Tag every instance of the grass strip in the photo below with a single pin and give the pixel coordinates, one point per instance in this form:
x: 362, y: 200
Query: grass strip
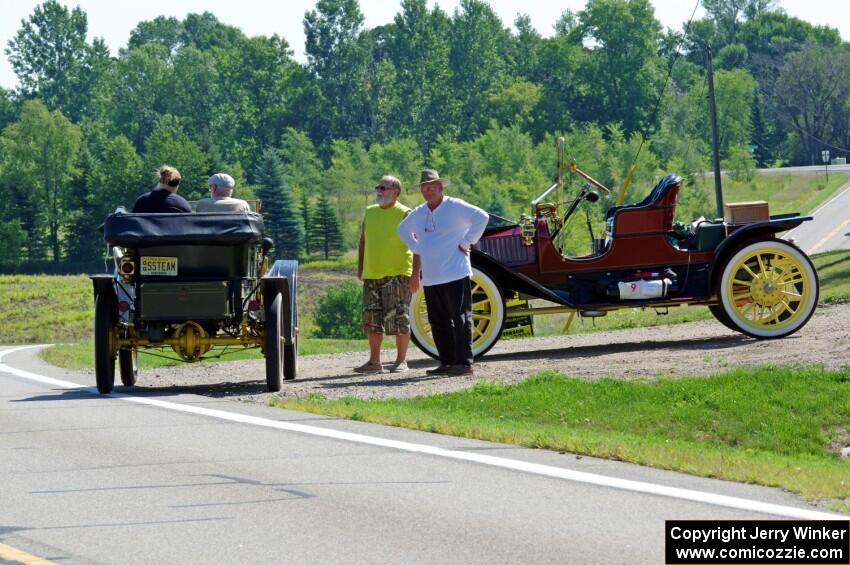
x: 834, y: 275
x: 771, y: 426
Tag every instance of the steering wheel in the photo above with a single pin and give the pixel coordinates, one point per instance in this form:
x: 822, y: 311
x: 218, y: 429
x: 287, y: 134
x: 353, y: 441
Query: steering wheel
x: 584, y: 194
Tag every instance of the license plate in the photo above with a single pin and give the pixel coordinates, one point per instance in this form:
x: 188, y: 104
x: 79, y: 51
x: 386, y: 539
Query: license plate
x: 159, y: 266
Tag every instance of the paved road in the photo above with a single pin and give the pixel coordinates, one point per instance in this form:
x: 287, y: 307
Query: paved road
x: 830, y: 228
x: 182, y: 478
x: 817, y: 169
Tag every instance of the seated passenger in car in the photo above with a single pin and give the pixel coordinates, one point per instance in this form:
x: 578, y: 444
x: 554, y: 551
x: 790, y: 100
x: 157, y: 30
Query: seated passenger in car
x: 221, y: 196
x: 163, y: 198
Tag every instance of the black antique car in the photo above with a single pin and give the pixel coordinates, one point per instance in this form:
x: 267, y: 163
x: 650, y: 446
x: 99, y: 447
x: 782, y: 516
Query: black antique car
x: 192, y: 282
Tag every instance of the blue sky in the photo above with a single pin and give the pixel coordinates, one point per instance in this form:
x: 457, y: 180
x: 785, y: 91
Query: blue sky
x: 114, y: 19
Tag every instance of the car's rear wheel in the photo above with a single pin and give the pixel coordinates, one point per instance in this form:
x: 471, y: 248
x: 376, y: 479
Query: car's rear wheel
x: 290, y: 350
x: 274, y: 342
x: 290, y: 359
x: 105, y: 315
x: 720, y: 314
x: 128, y: 363
x: 768, y: 289
x: 488, y: 316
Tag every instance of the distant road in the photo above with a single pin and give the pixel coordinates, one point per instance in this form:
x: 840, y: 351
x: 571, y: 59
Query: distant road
x: 814, y: 169
x: 830, y: 229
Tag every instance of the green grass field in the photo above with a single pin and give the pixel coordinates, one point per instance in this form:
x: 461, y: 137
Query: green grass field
x: 785, y: 192
x: 772, y: 426
x: 42, y: 309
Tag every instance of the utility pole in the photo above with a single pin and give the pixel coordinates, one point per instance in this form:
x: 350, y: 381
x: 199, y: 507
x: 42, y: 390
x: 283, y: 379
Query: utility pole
x: 715, y: 143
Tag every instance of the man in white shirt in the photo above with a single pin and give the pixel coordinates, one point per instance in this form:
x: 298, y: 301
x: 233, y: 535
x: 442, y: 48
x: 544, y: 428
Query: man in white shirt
x: 221, y: 196
x: 441, y: 231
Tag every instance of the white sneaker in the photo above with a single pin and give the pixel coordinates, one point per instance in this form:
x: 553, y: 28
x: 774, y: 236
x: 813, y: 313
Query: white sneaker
x: 398, y: 367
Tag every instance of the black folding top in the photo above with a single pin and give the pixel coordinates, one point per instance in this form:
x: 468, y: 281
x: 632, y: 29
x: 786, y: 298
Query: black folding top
x: 215, y: 228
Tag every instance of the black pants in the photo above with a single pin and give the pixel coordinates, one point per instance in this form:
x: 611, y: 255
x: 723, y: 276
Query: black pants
x: 450, y: 315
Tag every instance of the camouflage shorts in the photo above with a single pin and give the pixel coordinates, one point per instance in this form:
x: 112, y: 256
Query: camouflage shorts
x: 386, y: 305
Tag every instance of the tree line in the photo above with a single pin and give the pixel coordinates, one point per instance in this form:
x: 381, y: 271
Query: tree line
x: 85, y: 131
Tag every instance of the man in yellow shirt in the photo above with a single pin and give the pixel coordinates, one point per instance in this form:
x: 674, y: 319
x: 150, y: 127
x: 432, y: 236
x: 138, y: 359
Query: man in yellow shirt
x: 390, y: 274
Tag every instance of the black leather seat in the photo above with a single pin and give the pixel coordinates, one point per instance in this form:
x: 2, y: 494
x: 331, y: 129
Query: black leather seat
x: 654, y: 197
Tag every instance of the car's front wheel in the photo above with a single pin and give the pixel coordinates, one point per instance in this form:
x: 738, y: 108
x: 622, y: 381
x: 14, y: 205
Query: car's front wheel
x: 768, y: 289
x: 488, y: 316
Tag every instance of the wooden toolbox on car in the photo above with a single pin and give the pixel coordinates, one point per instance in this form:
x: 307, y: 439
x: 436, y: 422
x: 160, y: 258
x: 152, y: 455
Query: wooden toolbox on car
x: 746, y: 212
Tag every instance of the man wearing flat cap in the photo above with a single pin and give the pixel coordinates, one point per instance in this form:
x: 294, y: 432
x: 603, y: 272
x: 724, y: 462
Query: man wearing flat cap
x: 441, y: 231
x: 221, y: 196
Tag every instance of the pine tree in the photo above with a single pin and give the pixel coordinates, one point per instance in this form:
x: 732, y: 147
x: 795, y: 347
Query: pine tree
x: 307, y: 213
x: 284, y: 223
x: 497, y: 205
x: 325, y: 233
x: 760, y: 132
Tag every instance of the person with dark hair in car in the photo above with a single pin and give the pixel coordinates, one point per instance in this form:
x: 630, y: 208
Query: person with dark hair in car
x: 163, y: 198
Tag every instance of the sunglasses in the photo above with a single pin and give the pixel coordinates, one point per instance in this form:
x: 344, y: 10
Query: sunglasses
x: 383, y: 188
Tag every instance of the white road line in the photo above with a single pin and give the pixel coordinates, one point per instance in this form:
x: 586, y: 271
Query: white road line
x: 501, y: 462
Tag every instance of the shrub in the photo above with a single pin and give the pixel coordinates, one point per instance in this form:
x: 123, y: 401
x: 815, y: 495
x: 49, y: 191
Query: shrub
x: 338, y: 312
x: 13, y: 238
x: 740, y: 164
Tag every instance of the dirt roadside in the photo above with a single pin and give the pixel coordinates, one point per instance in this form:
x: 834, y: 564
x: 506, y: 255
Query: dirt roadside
x: 697, y: 348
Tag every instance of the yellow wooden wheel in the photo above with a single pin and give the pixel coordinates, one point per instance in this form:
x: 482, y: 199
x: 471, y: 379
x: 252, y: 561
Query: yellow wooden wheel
x: 488, y: 316
x: 769, y: 289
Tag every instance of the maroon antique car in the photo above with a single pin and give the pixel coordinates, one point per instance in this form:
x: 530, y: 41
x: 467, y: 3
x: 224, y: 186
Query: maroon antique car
x: 752, y: 281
